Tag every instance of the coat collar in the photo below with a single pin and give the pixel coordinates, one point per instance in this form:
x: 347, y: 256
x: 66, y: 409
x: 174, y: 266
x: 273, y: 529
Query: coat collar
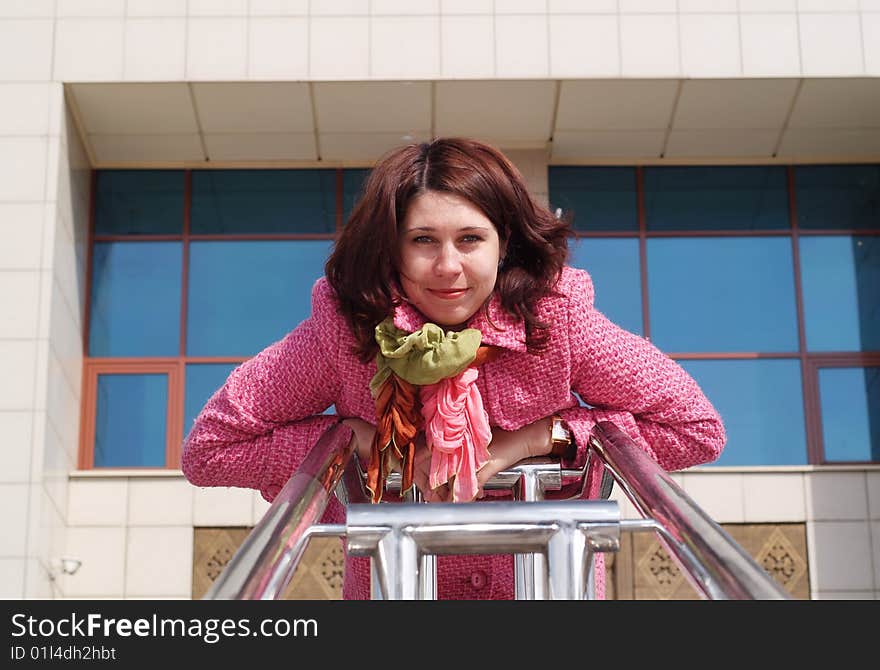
x: 499, y: 328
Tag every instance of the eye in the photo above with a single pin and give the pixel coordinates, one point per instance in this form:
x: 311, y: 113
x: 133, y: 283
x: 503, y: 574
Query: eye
x: 422, y: 239
x: 471, y: 239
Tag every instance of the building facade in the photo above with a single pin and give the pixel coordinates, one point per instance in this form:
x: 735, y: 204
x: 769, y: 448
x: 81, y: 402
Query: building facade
x: 728, y: 150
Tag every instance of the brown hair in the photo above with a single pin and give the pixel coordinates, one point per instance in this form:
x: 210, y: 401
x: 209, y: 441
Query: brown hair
x: 362, y: 268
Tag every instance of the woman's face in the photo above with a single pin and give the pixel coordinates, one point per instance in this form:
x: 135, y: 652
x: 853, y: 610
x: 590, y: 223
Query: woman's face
x: 449, y: 254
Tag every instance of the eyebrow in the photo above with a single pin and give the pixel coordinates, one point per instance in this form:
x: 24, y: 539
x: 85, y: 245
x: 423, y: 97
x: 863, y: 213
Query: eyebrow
x: 459, y: 230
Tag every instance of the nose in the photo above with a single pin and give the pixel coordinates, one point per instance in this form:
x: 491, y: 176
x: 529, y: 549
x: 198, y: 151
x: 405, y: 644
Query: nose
x: 448, y: 261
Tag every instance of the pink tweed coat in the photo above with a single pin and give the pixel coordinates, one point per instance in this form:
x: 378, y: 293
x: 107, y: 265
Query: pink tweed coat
x: 257, y: 428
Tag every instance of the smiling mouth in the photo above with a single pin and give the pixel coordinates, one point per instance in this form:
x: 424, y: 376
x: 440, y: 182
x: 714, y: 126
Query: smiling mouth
x: 448, y: 294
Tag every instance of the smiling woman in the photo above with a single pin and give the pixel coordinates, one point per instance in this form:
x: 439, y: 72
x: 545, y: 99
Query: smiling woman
x: 449, y: 254
x: 453, y: 339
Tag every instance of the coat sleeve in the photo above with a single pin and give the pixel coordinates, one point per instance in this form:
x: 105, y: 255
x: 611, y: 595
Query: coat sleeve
x: 257, y: 428
x: 628, y: 381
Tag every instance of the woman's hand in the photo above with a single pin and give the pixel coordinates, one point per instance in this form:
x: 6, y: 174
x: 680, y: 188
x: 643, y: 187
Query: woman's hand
x: 509, y: 447
x: 362, y: 436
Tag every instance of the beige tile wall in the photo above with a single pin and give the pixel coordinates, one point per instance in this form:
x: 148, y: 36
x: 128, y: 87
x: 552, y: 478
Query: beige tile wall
x: 44, y: 188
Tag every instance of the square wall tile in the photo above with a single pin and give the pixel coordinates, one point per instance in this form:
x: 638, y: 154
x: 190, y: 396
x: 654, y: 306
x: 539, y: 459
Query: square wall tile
x: 25, y: 109
x: 767, y: 5
x: 770, y: 45
x: 278, y: 48
x: 17, y: 429
x: 102, y: 572
x: 649, y: 46
x: 13, y: 539
x: 405, y: 47
x: 521, y: 46
x: 828, y: 5
x: 21, y: 229
x: 873, y: 494
x: 520, y: 6
x: 147, y: 8
x: 840, y: 556
x: 831, y: 44
x: 339, y: 7
x: 875, y: 551
x: 160, y: 501
x: 27, y: 9
x: 467, y: 46
x: 218, y: 7
x: 836, y: 496
x: 37, y: 582
x: 12, y: 578
x: 88, y: 49
x: 404, y: 7
x: 279, y: 7
x: 719, y: 495
x: 105, y: 8
x: 260, y: 507
x: 159, y: 562
x: 222, y: 506
x: 871, y: 39
x: 155, y: 49
x: 23, y: 168
x: 715, y: 34
x: 217, y: 49
x: 468, y: 6
x: 582, y: 6
x: 584, y: 46
x: 698, y: 6
x: 25, y: 50
x: 339, y: 48
x: 18, y: 362
x: 844, y: 595
x: 20, y: 297
x: 646, y: 6
x: 774, y: 497
x: 97, y: 502
x: 627, y: 509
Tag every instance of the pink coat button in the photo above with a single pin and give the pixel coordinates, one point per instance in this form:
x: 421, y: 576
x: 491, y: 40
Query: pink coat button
x: 478, y: 579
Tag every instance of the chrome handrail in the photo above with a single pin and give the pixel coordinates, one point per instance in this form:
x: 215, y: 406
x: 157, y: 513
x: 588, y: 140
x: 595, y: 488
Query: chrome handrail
x: 715, y: 564
x: 263, y: 566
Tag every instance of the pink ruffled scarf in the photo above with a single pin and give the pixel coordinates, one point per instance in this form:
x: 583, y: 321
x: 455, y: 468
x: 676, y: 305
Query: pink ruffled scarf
x: 457, y: 433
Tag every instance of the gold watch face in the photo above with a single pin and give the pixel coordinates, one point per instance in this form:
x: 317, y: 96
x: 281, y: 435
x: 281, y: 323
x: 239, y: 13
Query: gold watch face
x: 560, y: 433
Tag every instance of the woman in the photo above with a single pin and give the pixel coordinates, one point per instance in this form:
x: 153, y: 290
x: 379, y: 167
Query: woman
x: 447, y: 304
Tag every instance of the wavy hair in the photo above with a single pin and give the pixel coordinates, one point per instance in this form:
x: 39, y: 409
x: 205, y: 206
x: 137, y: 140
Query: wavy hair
x: 362, y: 268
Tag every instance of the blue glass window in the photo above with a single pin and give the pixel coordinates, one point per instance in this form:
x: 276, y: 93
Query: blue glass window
x: 722, y: 294
x: 841, y: 284
x: 263, y: 201
x: 139, y: 202
x: 245, y: 295
x: 614, y: 267
x: 202, y: 379
x: 716, y: 198
x: 352, y: 182
x: 599, y: 198
x: 838, y: 196
x: 762, y: 406
x: 135, y: 301
x: 850, y: 400
x: 131, y: 420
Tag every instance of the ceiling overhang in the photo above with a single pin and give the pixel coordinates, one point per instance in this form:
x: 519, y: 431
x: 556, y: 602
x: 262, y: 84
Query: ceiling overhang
x: 608, y: 121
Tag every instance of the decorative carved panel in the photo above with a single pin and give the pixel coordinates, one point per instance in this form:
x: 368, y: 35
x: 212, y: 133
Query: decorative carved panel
x: 642, y: 569
x: 318, y: 576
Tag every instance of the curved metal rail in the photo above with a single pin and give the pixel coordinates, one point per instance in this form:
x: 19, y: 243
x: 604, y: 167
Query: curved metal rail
x: 714, y: 563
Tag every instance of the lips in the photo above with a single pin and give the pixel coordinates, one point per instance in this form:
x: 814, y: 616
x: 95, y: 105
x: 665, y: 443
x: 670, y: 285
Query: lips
x: 448, y: 293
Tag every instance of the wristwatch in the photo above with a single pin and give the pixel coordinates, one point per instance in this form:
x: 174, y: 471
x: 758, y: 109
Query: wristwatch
x: 562, y: 444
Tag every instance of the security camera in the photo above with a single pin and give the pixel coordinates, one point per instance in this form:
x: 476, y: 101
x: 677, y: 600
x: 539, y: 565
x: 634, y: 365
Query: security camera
x: 69, y: 566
